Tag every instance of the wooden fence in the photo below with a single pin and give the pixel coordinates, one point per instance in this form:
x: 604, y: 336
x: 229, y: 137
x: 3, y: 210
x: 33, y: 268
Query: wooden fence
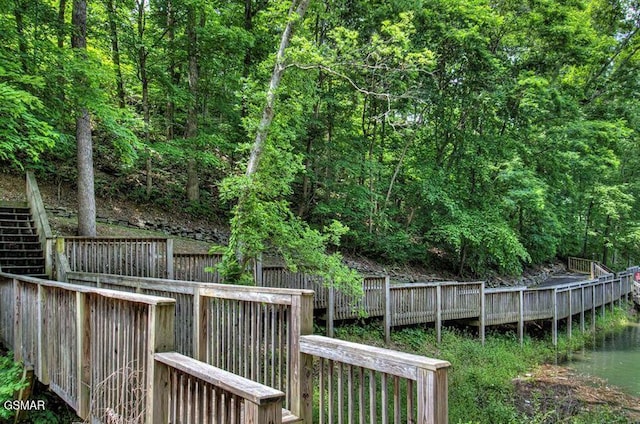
x: 421, y: 303
x: 586, y: 266
x: 99, y: 350
x: 579, y: 265
x: 196, y: 267
x: 358, y: 383
x: 197, y: 393
x: 143, y: 257
x: 39, y: 214
x: 258, y: 334
x: 249, y: 331
x: 519, y: 305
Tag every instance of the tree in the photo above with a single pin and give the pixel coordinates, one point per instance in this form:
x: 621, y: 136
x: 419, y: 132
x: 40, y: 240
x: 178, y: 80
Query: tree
x: 86, y: 194
x: 262, y: 218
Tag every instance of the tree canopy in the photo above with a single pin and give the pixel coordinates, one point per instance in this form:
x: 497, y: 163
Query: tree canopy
x: 478, y: 136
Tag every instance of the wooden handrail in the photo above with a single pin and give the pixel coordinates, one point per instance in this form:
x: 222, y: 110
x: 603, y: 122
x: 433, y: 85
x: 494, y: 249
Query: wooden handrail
x: 390, y: 379
x: 87, y: 343
x: 375, y: 358
x: 239, y: 386
x: 250, y: 331
x: 147, y: 256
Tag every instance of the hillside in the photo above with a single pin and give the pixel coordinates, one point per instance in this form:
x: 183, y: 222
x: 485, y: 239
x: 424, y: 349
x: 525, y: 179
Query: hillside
x: 124, y: 218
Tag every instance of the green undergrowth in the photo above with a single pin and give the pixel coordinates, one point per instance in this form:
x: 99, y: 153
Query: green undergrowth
x: 481, y: 387
x: 12, y: 381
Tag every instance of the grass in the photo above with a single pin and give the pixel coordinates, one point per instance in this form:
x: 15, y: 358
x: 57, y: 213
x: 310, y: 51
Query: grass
x: 481, y: 387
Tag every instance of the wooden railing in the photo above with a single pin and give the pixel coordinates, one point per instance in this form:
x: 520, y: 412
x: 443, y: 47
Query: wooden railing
x: 143, y: 257
x: 258, y: 334
x: 580, y: 265
x: 197, y: 393
x: 586, y: 266
x: 107, y: 354
x: 194, y: 267
x: 359, y: 383
x: 249, y: 331
x: 419, y: 303
x: 89, y: 345
x: 599, y: 270
x: 39, y: 214
x: 280, y: 277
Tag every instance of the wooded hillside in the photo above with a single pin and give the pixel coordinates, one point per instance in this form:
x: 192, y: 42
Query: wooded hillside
x: 473, y: 135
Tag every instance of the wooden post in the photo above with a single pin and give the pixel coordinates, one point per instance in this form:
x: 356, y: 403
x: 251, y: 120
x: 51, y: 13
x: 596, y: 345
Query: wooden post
x: 387, y: 309
x: 483, y: 313
x: 161, y: 338
x: 554, y: 327
x: 43, y: 342
x: 570, y: 317
x: 61, y: 272
x: 170, y: 272
x: 331, y: 310
x: 439, y: 312
x: 83, y: 352
x: 199, y: 325
x: 613, y: 300
x: 432, y: 401
x: 593, y: 307
x: 48, y: 257
x: 301, y: 379
x: 265, y: 413
x: 17, y: 319
x: 521, y: 316
x: 160, y: 392
x: 604, y: 299
x: 582, y: 307
x: 257, y: 271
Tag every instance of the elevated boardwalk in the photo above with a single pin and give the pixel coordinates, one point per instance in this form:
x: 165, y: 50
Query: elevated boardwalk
x: 120, y: 339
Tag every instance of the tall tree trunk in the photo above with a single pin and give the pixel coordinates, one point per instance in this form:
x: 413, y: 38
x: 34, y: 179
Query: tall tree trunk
x: 142, y: 63
x: 61, y: 33
x: 115, y: 50
x: 296, y: 14
x: 172, y: 71
x: 22, y: 41
x: 193, y: 183
x: 299, y: 8
x: 86, y: 195
x: 144, y: 84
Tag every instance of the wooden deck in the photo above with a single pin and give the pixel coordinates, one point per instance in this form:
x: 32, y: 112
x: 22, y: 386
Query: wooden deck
x: 143, y: 347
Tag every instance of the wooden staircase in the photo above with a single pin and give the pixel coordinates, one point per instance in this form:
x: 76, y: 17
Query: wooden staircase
x: 20, y: 249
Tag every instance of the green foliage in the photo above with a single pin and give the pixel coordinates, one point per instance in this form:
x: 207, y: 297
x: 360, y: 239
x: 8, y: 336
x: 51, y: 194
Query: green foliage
x: 11, y: 382
x: 492, y: 134
x: 24, y: 135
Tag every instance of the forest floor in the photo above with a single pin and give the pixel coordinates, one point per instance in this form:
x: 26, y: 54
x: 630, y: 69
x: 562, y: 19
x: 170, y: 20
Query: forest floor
x: 553, y: 387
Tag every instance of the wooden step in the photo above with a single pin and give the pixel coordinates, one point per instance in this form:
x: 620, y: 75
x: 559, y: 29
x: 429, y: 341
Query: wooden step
x: 19, y: 238
x: 22, y: 261
x: 26, y: 230
x: 7, y: 204
x: 22, y: 270
x: 15, y: 216
x: 21, y: 253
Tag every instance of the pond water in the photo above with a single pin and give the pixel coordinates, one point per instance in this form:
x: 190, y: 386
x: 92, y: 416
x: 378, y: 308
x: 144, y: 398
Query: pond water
x: 615, y: 358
